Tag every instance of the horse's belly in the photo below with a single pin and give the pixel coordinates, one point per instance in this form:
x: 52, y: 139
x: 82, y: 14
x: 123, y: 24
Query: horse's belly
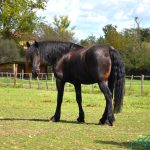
x: 81, y: 78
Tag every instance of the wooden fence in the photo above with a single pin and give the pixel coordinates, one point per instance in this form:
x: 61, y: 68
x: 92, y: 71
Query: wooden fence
x: 47, y: 81
x: 141, y: 80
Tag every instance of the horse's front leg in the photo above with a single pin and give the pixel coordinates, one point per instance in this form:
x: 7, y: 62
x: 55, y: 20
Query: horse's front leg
x: 79, y: 101
x: 108, y: 116
x: 60, y: 90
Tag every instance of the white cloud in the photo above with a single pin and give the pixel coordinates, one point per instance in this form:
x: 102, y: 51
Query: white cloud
x: 91, y: 16
x: 88, y: 6
x: 61, y: 7
x: 121, y: 15
x: 80, y: 34
x: 127, y: 24
x: 73, y: 10
x: 54, y: 6
x: 143, y: 8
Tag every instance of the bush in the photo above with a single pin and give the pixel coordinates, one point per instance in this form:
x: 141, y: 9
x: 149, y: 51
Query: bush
x: 8, y: 50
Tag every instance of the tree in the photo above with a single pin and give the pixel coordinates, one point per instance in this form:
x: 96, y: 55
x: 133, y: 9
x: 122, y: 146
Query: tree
x: 133, y: 44
x: 58, y: 30
x: 136, y: 53
x: 113, y: 37
x: 109, y: 28
x: 145, y: 34
x: 101, y: 40
x: 61, y: 23
x: 46, y: 32
x: 8, y: 50
x: 18, y: 17
x: 63, y: 29
x: 89, y: 41
x: 84, y: 42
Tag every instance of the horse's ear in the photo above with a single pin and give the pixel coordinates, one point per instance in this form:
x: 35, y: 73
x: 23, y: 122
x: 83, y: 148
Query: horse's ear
x: 28, y: 44
x: 36, y: 44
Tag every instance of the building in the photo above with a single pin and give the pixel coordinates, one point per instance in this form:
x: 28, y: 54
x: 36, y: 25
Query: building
x: 20, y: 67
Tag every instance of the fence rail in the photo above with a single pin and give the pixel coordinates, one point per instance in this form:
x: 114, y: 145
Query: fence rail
x: 47, y: 81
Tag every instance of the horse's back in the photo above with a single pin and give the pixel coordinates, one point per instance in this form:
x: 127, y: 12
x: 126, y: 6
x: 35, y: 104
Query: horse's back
x: 91, y: 65
x: 87, y: 66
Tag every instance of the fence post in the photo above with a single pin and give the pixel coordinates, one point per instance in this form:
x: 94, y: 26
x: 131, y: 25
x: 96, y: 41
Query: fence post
x: 22, y: 74
x: 46, y: 83
x: 15, y: 73
x: 142, y: 84
x: 38, y: 82
x: 41, y: 76
x: 67, y: 87
x: 131, y: 82
x: 7, y: 74
x: 92, y: 88
x: 30, y: 78
x: 7, y: 78
x: 52, y: 77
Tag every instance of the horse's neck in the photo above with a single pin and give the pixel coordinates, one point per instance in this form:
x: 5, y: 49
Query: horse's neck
x: 54, y: 51
x: 53, y: 55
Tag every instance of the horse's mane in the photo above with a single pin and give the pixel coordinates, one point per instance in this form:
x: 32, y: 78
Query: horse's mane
x: 51, y: 51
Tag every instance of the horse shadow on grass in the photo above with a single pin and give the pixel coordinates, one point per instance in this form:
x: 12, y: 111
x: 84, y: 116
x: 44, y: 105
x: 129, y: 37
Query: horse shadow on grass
x: 127, y: 145
x: 43, y: 120
x: 24, y: 119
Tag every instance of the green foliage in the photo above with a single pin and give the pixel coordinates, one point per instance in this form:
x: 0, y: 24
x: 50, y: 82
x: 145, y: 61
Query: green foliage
x: 145, y: 34
x: 90, y: 40
x: 8, y: 50
x: 59, y: 30
x: 46, y: 32
x: 109, y: 28
x: 145, y: 56
x: 62, y: 28
x: 84, y: 42
x: 19, y: 16
x: 135, y: 53
x: 61, y: 23
x: 113, y: 37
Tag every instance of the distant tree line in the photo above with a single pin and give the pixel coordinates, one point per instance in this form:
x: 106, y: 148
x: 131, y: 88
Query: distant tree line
x: 19, y: 23
x: 133, y: 45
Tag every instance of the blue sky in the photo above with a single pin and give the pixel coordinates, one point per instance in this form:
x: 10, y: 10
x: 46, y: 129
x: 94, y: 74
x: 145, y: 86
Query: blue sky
x: 90, y: 16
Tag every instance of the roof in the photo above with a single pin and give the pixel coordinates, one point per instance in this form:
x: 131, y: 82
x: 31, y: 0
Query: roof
x: 13, y: 62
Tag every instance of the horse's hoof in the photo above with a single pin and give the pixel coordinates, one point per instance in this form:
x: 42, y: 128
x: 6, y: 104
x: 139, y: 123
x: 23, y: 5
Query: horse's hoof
x: 106, y: 122
x: 54, y: 119
x: 80, y: 120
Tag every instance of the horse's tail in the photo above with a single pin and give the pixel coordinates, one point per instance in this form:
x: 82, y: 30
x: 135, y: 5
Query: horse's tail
x: 117, y: 79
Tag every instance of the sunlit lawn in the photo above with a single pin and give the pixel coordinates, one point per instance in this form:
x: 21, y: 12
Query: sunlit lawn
x: 25, y: 113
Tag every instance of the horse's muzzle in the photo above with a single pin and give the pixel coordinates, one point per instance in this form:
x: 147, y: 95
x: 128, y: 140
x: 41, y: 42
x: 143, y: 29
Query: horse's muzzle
x: 35, y: 73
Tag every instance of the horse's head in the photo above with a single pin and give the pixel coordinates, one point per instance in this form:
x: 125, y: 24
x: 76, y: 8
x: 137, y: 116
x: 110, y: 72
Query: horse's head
x: 34, y: 56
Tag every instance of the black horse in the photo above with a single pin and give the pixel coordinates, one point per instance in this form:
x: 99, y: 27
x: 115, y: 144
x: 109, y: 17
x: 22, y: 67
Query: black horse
x: 48, y: 53
x: 98, y: 64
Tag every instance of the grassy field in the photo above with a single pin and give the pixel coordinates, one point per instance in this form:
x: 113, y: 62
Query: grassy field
x: 132, y: 87
x: 25, y: 113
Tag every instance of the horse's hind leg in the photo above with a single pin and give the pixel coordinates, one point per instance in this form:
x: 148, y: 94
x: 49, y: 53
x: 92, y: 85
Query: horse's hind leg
x: 107, y: 117
x: 111, y: 85
x: 111, y: 88
x: 79, y: 101
x: 60, y: 89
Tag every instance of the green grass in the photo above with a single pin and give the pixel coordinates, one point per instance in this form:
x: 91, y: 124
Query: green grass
x: 25, y: 113
x: 132, y: 87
